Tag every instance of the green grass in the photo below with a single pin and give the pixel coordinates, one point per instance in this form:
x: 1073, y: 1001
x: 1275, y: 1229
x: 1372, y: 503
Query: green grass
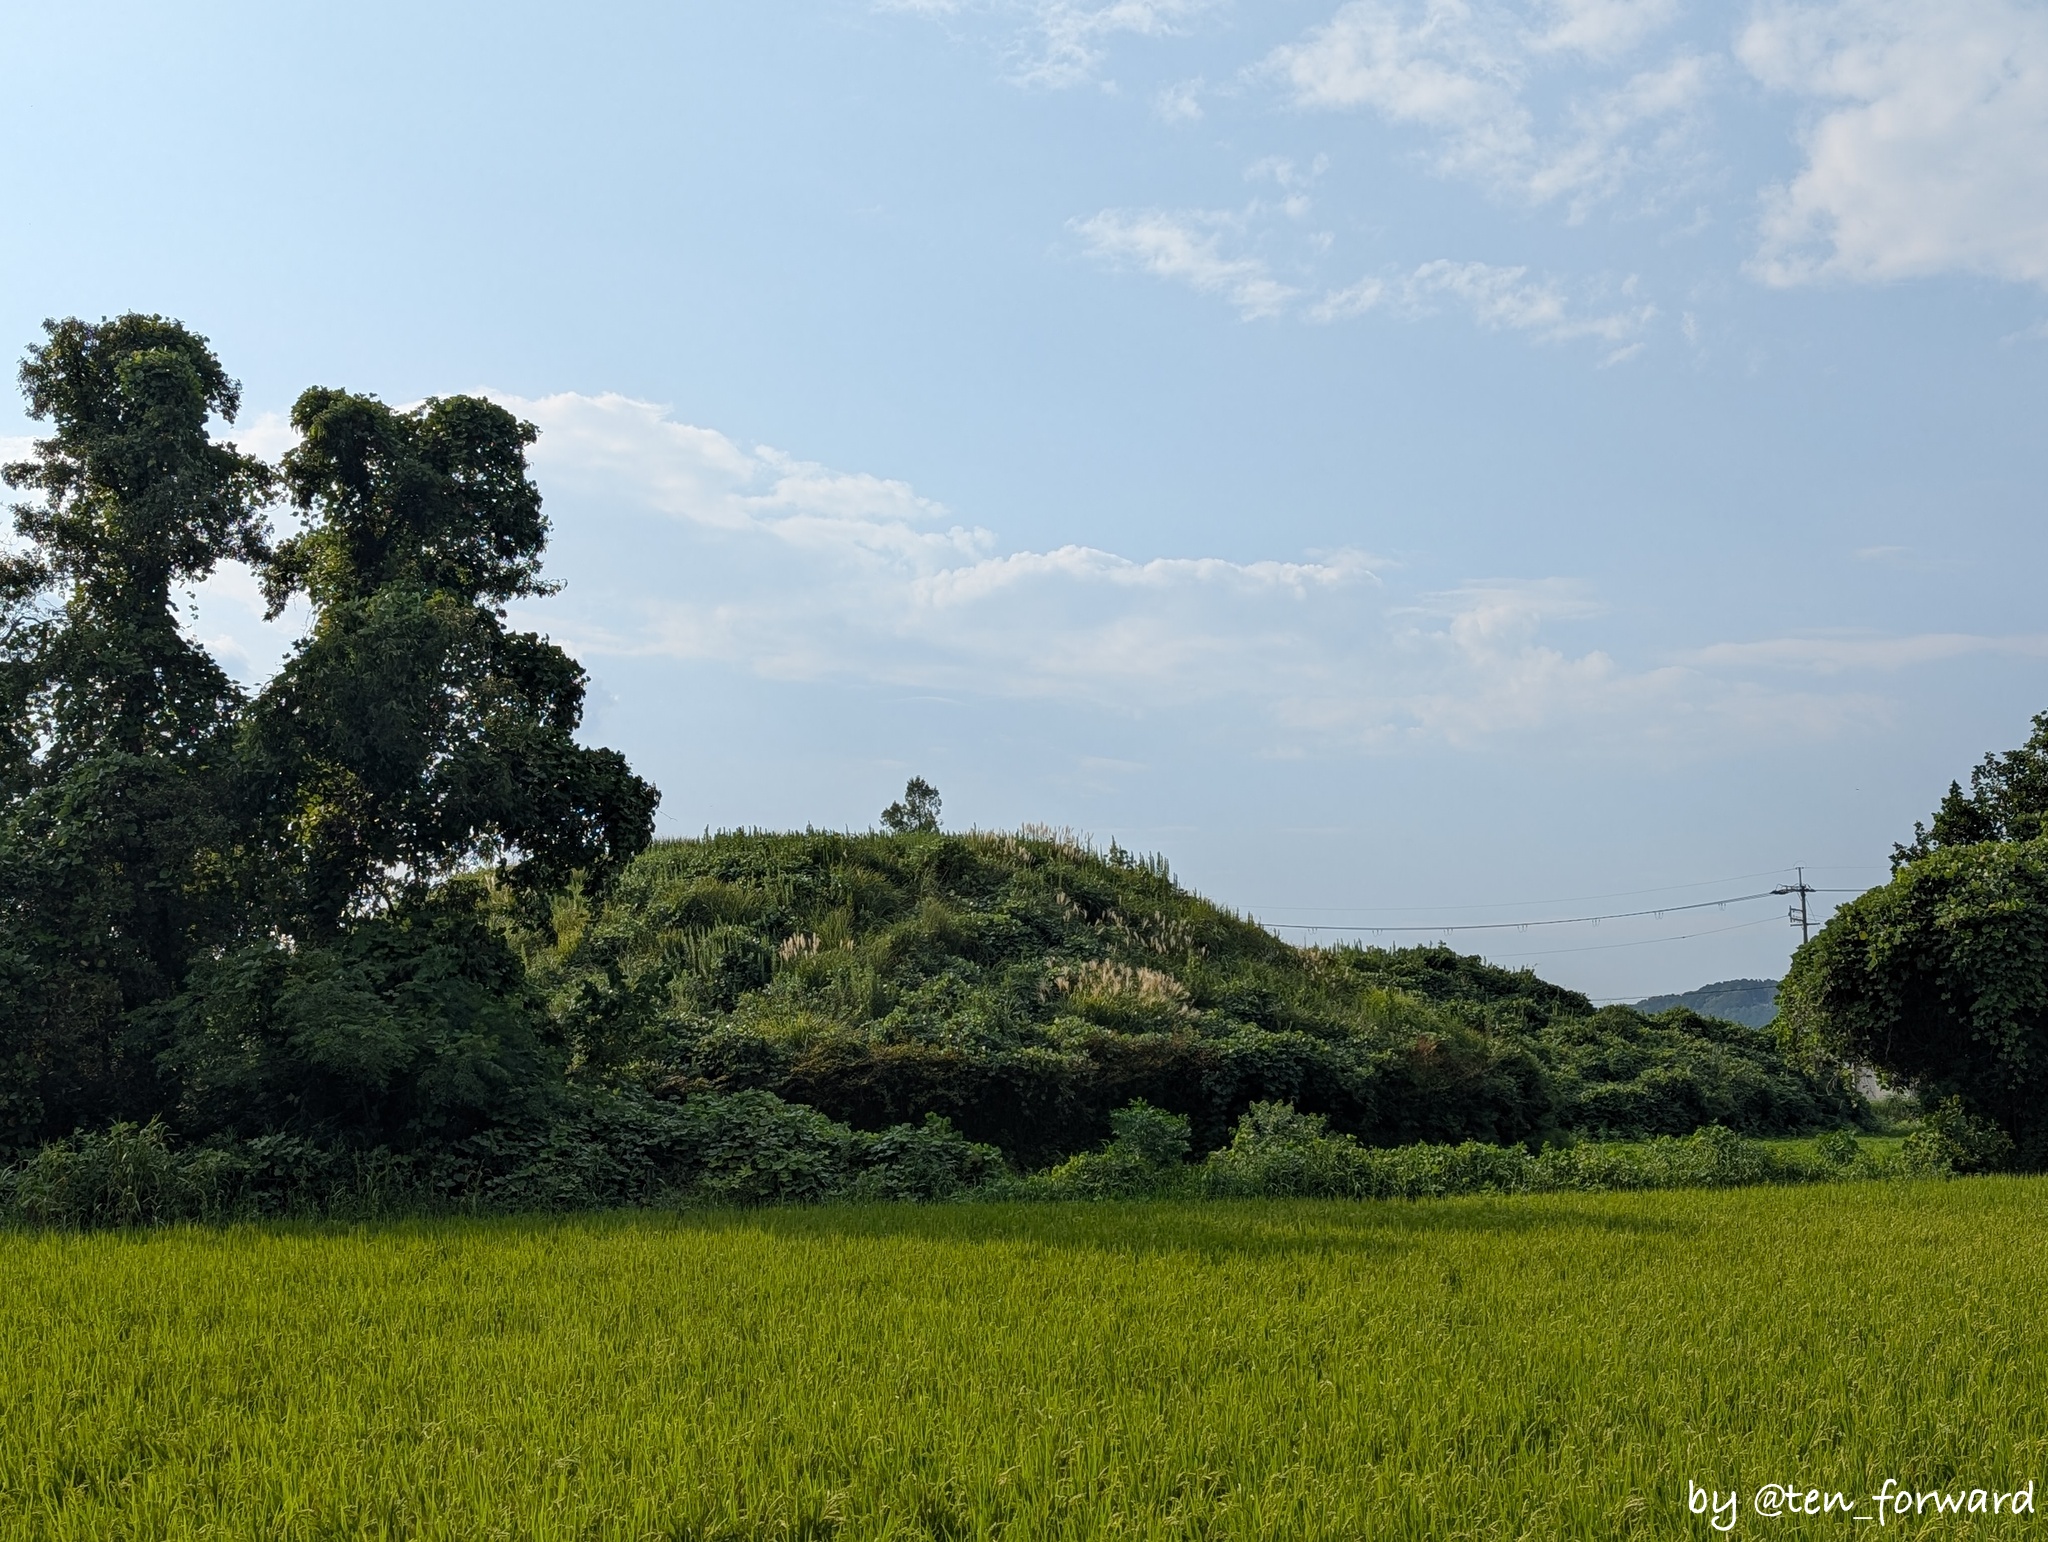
x: 1543, y: 1367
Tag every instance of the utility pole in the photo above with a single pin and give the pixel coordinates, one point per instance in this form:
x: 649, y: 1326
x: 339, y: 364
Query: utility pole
x: 1798, y: 917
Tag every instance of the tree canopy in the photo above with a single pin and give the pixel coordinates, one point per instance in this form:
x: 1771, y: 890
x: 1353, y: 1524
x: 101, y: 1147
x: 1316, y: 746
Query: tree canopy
x: 205, y: 894
x: 1939, y: 979
x: 2007, y: 801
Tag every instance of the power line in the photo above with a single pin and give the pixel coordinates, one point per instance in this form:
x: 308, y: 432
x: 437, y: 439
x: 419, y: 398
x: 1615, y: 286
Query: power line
x: 1569, y: 899
x: 1640, y: 942
x: 1523, y: 926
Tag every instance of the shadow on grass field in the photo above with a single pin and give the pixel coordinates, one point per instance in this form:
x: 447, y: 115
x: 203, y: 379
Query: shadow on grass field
x: 1553, y: 1366
x: 1211, y: 1230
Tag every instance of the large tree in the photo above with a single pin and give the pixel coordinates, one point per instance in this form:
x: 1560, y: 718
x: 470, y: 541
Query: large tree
x: 413, y: 734
x: 2007, y: 801
x: 115, y: 770
x: 411, y: 743
x: 1940, y: 978
x: 277, y: 913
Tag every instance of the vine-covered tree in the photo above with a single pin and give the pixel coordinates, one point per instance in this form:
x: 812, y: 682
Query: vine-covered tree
x: 115, y: 768
x: 273, y: 913
x: 412, y: 737
x: 1940, y: 978
x: 412, y: 734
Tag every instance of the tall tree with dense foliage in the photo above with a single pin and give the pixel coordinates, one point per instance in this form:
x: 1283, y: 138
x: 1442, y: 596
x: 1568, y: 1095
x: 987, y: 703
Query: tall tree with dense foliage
x: 271, y: 913
x: 413, y: 734
x: 2007, y: 801
x: 115, y: 764
x: 1940, y: 978
x: 411, y: 738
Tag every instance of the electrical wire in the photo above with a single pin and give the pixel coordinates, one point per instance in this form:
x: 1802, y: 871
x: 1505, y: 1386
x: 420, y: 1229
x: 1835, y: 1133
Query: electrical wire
x: 1641, y: 942
x: 1523, y: 926
x: 1570, y: 899
x: 1444, y: 929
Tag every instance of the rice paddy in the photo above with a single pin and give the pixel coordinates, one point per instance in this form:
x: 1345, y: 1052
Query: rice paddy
x: 1546, y: 1367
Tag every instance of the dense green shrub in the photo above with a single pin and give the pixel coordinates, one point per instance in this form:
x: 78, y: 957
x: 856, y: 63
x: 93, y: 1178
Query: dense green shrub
x: 410, y: 1027
x: 744, y: 1148
x: 1144, y: 1156
x: 123, y: 1176
x: 1277, y: 1152
x: 1622, y: 1075
x: 1949, y: 1140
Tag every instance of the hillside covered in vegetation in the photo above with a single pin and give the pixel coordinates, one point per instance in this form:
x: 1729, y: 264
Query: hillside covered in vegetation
x: 1025, y: 986
x: 385, y: 930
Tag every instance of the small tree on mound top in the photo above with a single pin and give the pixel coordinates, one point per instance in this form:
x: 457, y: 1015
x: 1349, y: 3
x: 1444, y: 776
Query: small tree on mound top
x: 918, y: 811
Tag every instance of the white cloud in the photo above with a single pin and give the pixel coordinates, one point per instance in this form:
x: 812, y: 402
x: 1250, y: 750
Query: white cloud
x: 1505, y: 298
x: 1189, y: 247
x: 268, y: 434
x: 680, y: 543
x: 1602, y: 29
x: 1180, y: 102
x: 1931, y: 153
x: 1186, y: 247
x: 1066, y: 43
x: 1496, y: 298
x: 1462, y: 73
x: 1057, y: 44
x: 1444, y: 69
x: 1838, y: 655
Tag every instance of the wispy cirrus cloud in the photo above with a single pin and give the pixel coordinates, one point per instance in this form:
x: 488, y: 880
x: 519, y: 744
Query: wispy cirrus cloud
x: 1193, y: 247
x: 760, y: 561
x: 1922, y: 125
x: 1058, y: 44
x: 1841, y: 654
x: 1068, y: 42
x: 1186, y: 246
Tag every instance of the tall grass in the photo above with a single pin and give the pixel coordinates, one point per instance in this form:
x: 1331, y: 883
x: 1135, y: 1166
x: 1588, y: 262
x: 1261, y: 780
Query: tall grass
x: 1541, y: 1367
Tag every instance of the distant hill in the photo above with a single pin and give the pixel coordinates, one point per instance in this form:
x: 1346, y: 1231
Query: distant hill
x: 1752, y: 1002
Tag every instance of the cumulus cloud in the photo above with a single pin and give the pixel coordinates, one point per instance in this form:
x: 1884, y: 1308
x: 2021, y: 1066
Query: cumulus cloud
x: 1930, y: 154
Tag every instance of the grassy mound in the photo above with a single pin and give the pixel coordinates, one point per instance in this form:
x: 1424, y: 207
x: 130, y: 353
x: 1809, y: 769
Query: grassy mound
x: 1026, y: 986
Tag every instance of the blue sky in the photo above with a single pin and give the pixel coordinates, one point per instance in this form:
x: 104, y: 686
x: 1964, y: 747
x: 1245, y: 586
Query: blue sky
x: 1410, y: 463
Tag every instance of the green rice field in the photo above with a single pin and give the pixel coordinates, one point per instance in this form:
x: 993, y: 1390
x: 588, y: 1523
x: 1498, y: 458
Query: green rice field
x: 1551, y: 1367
